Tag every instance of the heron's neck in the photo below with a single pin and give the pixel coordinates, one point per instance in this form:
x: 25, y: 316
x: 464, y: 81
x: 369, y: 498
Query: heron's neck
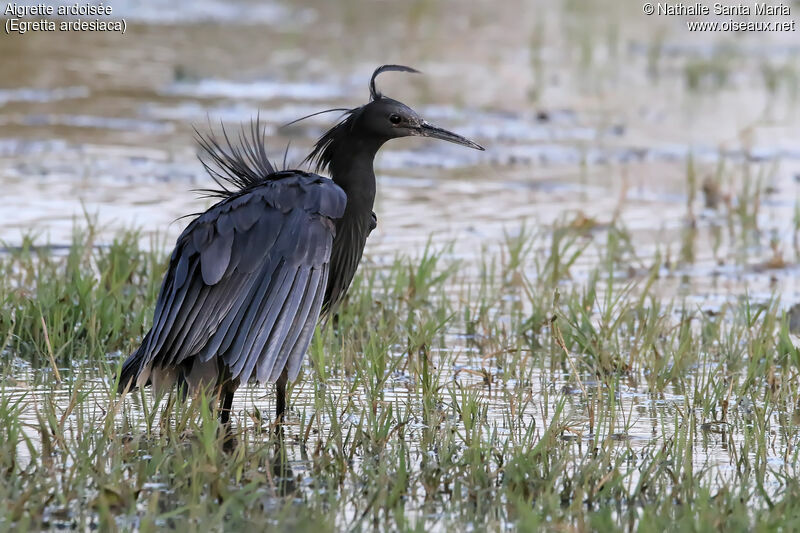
x: 352, y: 170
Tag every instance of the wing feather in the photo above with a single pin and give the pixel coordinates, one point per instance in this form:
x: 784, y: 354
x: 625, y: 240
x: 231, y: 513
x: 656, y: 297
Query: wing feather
x: 270, y: 308
x: 264, y: 277
x: 246, y: 280
x: 263, y: 351
x: 298, y: 351
x: 215, y: 257
x: 250, y: 246
x: 273, y: 370
x: 172, y: 311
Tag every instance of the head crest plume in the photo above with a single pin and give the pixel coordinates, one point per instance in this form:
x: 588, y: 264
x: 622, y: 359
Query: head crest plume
x: 373, y: 92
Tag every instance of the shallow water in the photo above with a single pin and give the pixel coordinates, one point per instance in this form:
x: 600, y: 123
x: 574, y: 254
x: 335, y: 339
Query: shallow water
x: 587, y: 115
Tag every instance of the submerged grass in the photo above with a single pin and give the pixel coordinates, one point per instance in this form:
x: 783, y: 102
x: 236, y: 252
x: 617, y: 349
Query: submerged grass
x: 436, y: 399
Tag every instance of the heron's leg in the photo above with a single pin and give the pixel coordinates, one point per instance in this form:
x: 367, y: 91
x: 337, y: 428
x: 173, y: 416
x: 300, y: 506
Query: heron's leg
x: 280, y: 391
x: 226, y: 387
x: 225, y: 405
x: 225, y: 393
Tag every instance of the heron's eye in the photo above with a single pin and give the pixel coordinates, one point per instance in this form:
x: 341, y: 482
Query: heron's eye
x: 394, y: 118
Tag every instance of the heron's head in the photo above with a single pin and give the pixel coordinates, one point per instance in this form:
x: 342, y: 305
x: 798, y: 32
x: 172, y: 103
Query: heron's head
x: 386, y: 118
x: 373, y: 124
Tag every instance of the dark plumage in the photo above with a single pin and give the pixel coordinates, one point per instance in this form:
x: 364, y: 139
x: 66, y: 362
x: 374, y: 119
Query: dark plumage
x: 249, y: 278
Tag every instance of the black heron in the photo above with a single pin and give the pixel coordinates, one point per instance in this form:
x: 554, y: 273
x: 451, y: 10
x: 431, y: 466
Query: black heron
x: 250, y: 277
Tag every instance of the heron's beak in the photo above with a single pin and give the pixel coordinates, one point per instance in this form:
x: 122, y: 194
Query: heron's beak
x: 429, y: 130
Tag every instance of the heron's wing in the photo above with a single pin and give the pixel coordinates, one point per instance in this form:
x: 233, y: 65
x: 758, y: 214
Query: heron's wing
x: 247, y: 278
